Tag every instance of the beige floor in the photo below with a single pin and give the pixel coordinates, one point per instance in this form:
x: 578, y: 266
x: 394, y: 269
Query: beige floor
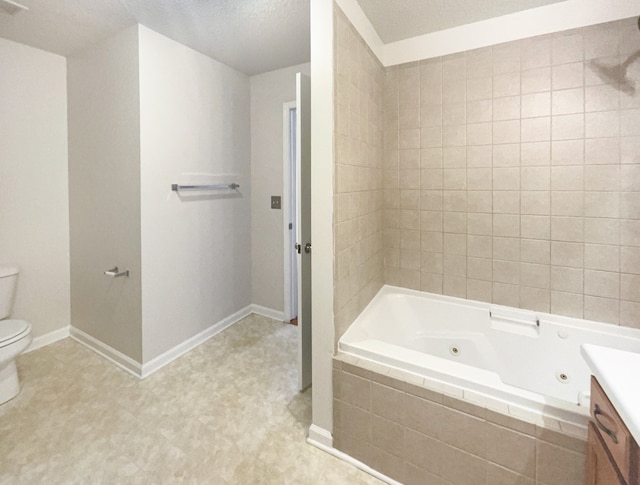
x: 228, y: 412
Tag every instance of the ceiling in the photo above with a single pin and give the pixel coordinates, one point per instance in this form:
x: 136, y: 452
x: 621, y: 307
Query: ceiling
x: 397, y: 20
x: 252, y: 36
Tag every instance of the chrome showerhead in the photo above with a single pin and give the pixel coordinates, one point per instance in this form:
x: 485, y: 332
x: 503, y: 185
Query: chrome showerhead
x: 10, y: 7
x: 616, y: 75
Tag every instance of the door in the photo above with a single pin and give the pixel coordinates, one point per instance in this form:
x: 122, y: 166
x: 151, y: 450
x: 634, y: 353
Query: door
x: 303, y: 198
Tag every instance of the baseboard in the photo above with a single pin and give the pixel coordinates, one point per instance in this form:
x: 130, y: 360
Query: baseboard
x: 349, y: 459
x: 48, y: 338
x: 267, y: 312
x: 320, y: 435
x: 182, y: 348
x: 123, y: 361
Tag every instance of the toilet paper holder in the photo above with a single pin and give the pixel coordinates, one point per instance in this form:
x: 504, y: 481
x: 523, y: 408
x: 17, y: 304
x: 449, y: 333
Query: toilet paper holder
x: 115, y: 273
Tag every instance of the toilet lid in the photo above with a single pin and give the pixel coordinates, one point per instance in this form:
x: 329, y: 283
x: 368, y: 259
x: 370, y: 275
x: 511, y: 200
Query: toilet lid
x: 12, y: 330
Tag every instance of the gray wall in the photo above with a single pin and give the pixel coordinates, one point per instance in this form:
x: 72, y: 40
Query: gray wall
x: 104, y: 191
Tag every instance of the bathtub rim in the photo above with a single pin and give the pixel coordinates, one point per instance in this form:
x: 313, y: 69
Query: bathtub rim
x: 546, y: 412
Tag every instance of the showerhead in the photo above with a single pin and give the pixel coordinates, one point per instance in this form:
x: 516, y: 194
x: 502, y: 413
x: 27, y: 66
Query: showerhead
x: 10, y: 7
x: 616, y: 75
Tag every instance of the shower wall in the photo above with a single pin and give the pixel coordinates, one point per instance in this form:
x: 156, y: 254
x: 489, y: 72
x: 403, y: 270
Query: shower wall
x: 358, y: 196
x: 512, y: 175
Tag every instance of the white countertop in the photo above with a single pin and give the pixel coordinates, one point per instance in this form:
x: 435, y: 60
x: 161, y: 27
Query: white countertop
x: 618, y: 372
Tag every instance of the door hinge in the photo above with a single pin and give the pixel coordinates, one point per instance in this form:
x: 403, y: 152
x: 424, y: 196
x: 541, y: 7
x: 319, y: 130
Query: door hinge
x: 290, y: 225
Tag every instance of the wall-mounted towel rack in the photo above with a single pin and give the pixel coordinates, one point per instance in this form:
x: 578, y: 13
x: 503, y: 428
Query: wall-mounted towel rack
x: 231, y: 186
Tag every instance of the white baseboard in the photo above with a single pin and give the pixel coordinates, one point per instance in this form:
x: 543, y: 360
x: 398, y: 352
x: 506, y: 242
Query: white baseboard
x: 320, y: 435
x: 267, y: 312
x: 182, y: 348
x: 144, y: 370
x: 123, y: 361
x: 349, y: 459
x: 48, y: 338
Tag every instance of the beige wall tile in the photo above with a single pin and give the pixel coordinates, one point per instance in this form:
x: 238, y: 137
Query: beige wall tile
x: 536, y: 129
x: 479, y: 133
x: 535, y: 104
x: 537, y: 80
x: 536, y: 202
x: 569, y: 229
x: 534, y: 154
x: 602, y: 151
x: 602, y: 257
x: 602, y: 204
x: 567, y: 203
x: 388, y: 436
x: 460, y: 468
x: 535, y: 275
x: 602, y: 124
x: 512, y: 450
x: 535, y: 251
x: 567, y: 304
x: 423, y: 451
x: 569, y: 75
x: 536, y: 299
x: 567, y: 152
x: 506, y: 248
x: 569, y: 254
x: 602, y: 309
x: 479, y: 245
x: 558, y: 465
x: 431, y: 282
x: 629, y: 232
x: 567, y: 279
x: 567, y: 177
x: 507, y: 225
x: 567, y: 127
x: 507, y: 155
x: 479, y: 290
x: 567, y: 101
x: 535, y: 227
x: 505, y: 294
x: 481, y: 88
x: 506, y: 131
x: 630, y: 314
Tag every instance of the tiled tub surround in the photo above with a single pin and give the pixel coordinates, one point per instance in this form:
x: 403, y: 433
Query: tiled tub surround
x: 358, y: 261
x: 394, y: 423
x: 512, y: 175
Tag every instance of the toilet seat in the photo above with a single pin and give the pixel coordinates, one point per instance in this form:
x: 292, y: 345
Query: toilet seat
x: 13, y: 330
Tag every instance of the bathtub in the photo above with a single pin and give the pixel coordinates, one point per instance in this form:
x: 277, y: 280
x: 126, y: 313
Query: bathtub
x: 514, y: 361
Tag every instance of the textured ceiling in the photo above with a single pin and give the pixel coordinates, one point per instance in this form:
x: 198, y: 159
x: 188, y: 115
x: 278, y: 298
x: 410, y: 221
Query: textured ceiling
x: 401, y: 19
x: 252, y: 36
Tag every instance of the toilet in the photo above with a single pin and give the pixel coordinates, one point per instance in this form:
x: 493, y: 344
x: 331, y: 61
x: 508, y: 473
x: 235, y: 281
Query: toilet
x: 15, y: 335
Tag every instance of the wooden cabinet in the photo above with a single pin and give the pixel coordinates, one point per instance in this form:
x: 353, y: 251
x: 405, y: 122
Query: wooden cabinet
x: 612, y: 453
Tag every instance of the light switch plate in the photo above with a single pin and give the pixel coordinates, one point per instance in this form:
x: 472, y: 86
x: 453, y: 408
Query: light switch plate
x: 276, y: 202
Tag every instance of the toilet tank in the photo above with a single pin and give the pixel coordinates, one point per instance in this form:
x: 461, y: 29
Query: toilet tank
x: 8, y: 280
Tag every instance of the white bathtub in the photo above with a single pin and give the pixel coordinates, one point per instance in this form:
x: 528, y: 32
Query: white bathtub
x: 516, y: 361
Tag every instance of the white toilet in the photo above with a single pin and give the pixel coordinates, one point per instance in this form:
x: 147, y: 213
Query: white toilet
x: 15, y: 335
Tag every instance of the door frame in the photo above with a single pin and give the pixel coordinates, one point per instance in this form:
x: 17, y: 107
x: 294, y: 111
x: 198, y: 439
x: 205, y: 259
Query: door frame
x: 287, y: 199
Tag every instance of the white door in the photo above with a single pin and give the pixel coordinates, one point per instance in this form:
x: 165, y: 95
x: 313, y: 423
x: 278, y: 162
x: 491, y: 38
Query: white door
x: 303, y: 198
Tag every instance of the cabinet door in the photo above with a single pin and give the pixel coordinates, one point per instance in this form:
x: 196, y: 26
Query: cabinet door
x: 600, y: 468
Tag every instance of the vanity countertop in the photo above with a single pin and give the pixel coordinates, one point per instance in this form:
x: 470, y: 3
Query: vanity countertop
x: 618, y: 373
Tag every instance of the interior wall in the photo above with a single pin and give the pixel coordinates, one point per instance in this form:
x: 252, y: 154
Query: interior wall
x: 268, y: 93
x: 104, y: 191
x: 34, y: 202
x: 516, y: 171
x: 196, y: 249
x: 358, y: 194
